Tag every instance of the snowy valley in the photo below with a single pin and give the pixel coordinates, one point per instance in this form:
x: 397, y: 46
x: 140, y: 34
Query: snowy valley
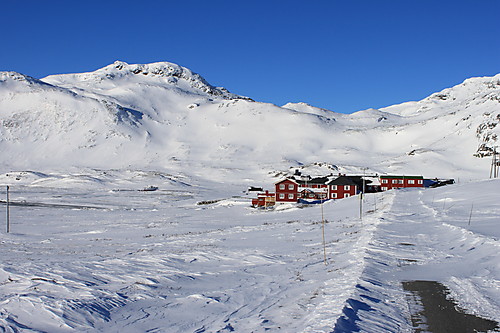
x: 89, y: 251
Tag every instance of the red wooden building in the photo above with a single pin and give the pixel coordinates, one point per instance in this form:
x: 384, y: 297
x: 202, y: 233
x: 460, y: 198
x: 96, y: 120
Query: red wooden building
x: 291, y: 190
x: 390, y: 182
x: 265, y: 199
x: 287, y: 190
x: 297, y: 188
x: 341, y: 187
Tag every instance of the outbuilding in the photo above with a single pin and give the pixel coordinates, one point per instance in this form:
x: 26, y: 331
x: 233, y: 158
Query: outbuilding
x: 265, y: 199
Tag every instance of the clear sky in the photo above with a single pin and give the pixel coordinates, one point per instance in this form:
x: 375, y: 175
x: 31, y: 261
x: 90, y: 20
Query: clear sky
x: 340, y: 55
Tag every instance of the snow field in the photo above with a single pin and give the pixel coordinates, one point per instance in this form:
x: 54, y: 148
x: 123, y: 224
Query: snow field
x: 98, y: 255
x: 156, y: 263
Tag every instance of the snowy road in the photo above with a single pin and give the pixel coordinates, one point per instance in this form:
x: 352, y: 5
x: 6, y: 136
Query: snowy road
x: 161, y: 265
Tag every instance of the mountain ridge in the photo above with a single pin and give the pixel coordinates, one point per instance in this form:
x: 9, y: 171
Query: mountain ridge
x: 163, y: 115
x: 170, y: 71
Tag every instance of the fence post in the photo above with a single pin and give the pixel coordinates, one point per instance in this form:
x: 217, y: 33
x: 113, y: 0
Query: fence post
x: 470, y: 215
x: 323, y: 231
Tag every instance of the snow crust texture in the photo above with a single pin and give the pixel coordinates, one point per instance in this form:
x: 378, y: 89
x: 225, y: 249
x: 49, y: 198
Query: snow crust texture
x: 88, y: 252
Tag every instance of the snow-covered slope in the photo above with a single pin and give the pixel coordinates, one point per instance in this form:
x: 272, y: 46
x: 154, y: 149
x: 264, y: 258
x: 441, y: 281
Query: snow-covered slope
x: 162, y: 115
x: 88, y: 250
x: 45, y: 124
x: 474, y: 104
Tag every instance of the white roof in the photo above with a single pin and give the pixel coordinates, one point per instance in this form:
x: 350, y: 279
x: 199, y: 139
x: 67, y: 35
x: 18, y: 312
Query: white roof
x: 374, y: 180
x: 315, y: 190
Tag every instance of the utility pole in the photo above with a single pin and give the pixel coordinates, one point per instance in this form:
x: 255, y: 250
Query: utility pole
x: 361, y: 206
x: 8, y: 213
x: 495, y: 163
x: 361, y: 196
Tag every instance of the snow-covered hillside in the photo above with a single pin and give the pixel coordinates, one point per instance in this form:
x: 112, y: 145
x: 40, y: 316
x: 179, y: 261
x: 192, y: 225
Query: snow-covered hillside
x: 90, y: 250
x: 164, y: 116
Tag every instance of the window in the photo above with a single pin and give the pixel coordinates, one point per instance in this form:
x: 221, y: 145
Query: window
x: 394, y: 181
x: 282, y: 186
x: 384, y: 181
x: 420, y: 181
x: 290, y: 186
x: 334, y: 187
x: 282, y: 196
x: 290, y: 196
x: 347, y: 187
x: 400, y: 181
x: 334, y: 195
x: 347, y: 195
x: 384, y: 188
x: 411, y: 181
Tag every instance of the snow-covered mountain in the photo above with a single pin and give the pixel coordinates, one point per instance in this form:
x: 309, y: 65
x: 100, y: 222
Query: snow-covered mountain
x: 162, y: 115
x: 89, y: 250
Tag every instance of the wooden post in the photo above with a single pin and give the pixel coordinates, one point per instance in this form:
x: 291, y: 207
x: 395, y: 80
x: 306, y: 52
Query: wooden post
x: 361, y: 206
x: 323, y: 231
x: 8, y: 213
x: 470, y: 215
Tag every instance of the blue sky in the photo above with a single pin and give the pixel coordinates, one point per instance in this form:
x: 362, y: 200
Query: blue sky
x: 341, y: 55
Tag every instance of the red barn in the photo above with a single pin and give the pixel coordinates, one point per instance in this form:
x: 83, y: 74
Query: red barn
x: 390, y: 182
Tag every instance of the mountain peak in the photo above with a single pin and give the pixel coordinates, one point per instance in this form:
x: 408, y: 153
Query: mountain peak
x: 15, y: 76
x: 166, y: 72
x: 307, y: 108
x: 17, y: 82
x: 157, y: 69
